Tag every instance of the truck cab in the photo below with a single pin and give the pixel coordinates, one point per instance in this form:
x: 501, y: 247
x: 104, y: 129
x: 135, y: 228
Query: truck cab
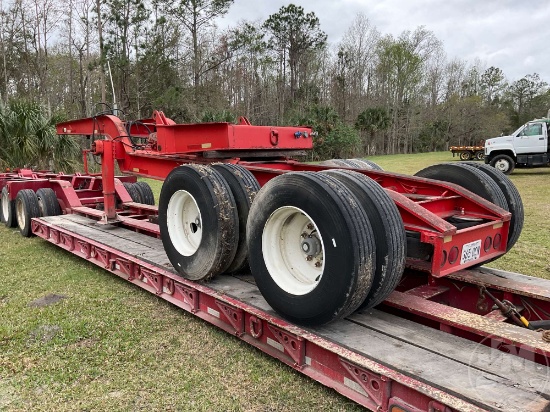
x: 527, y: 146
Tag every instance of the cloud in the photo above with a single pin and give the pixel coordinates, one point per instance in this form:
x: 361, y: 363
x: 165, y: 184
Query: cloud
x: 508, y: 34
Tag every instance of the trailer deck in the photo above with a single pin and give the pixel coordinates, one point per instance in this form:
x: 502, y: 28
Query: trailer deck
x: 408, y: 354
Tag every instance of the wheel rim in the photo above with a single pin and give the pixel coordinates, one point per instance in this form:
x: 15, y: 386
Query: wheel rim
x: 502, y: 165
x: 41, y: 206
x: 20, y: 213
x: 293, y: 250
x: 184, y: 222
x: 5, y: 205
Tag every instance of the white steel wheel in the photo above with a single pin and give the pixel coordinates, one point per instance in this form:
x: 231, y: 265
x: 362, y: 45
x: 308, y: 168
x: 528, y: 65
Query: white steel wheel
x: 184, y: 222
x: 20, y: 213
x: 310, y: 248
x: 503, y: 164
x: 198, y: 222
x: 5, y: 205
x: 8, y: 209
x: 293, y: 250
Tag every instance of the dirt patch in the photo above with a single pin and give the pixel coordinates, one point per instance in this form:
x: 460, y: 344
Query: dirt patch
x: 44, y: 333
x: 84, y: 343
x: 47, y: 300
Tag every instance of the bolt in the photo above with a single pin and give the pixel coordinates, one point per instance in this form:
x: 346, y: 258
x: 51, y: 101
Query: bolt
x: 309, y: 258
x: 304, y: 234
x: 317, y: 264
x: 310, y: 226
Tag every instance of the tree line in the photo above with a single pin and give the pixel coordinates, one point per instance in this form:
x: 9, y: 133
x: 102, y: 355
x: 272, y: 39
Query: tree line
x: 371, y: 93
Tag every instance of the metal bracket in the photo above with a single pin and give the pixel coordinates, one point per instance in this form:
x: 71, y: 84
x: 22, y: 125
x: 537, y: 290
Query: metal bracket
x: 377, y: 387
x: 294, y: 345
x: 124, y: 266
x: 234, y: 315
x: 54, y: 236
x: 190, y: 296
x: 101, y: 256
x: 153, y: 279
x: 84, y: 248
x: 67, y: 241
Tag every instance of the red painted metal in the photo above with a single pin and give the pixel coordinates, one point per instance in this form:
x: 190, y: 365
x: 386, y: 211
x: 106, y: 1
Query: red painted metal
x: 423, y: 203
x: 106, y: 149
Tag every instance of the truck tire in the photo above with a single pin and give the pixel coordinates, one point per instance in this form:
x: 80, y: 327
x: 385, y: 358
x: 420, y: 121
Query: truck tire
x: 244, y: 188
x: 513, y: 199
x: 366, y: 164
x: 197, y: 221
x: 503, y: 163
x: 132, y: 191
x: 389, y: 232
x: 469, y: 178
x: 311, y: 249
x: 465, y: 155
x: 362, y: 164
x: 353, y: 163
x: 47, y: 202
x: 8, y: 209
x: 26, y: 207
x: 335, y: 163
x: 145, y: 193
x: 480, y: 155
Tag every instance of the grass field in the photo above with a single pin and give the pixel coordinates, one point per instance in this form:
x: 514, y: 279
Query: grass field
x: 107, y: 345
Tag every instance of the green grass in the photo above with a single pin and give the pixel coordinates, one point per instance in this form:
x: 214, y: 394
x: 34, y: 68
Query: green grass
x: 111, y: 346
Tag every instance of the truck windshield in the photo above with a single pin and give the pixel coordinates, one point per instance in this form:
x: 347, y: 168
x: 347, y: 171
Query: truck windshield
x: 518, y: 131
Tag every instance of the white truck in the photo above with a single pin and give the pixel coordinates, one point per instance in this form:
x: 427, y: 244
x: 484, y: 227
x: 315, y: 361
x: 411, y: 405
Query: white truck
x: 528, y: 146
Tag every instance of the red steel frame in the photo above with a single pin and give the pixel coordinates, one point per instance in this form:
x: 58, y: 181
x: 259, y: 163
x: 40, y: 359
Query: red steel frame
x: 355, y: 376
x: 316, y: 357
x: 423, y: 203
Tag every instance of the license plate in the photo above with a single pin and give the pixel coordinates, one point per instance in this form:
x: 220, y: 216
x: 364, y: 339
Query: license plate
x: 470, y: 251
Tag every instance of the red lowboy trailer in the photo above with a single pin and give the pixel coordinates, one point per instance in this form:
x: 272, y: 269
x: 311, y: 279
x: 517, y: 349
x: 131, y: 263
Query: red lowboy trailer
x: 381, y: 270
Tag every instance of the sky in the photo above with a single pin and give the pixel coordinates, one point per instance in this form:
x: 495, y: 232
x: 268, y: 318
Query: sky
x: 508, y: 34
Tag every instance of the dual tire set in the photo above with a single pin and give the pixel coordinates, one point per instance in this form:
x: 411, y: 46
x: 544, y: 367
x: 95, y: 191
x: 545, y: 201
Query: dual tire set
x: 27, y: 205
x: 320, y: 245
x: 486, y: 182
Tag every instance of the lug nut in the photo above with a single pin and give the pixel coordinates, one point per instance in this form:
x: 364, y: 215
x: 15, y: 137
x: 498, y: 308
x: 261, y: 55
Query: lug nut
x: 310, y: 226
x: 317, y: 264
x: 309, y: 258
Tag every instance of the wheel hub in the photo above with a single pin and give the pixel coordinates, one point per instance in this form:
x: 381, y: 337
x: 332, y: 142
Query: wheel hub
x: 293, y: 250
x: 311, y: 246
x: 502, y: 165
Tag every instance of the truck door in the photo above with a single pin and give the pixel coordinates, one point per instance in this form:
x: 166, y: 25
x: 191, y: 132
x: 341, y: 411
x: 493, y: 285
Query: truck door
x: 531, y: 139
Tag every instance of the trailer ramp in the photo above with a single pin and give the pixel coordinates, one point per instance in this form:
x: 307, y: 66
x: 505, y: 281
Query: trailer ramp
x: 381, y: 361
